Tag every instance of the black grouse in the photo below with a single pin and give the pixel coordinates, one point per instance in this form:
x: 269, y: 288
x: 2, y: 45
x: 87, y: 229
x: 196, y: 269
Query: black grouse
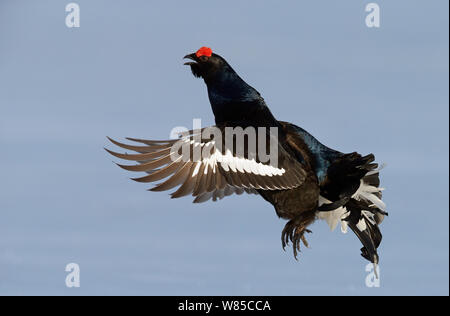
x: 304, y: 180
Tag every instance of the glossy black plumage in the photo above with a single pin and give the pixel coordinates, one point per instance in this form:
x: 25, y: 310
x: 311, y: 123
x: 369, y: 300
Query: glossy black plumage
x: 309, y: 181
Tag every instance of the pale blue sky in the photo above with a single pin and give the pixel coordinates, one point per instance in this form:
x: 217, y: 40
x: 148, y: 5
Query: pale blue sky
x: 121, y: 74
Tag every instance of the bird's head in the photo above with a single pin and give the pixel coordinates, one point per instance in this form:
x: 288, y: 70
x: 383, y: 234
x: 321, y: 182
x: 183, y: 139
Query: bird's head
x: 206, y: 64
x: 224, y: 84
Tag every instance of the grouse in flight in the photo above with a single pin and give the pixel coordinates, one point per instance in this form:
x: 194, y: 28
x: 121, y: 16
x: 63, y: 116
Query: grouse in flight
x: 303, y: 179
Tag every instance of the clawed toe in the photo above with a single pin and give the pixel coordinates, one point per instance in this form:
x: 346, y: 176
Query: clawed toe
x: 296, y: 234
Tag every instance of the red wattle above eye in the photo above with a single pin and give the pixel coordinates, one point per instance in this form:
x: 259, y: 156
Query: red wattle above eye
x: 204, y: 51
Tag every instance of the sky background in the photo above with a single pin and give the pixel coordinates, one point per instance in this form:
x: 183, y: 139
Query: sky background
x: 121, y: 74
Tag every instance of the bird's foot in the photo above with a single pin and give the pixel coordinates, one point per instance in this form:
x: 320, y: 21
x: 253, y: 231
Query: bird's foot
x: 294, y: 231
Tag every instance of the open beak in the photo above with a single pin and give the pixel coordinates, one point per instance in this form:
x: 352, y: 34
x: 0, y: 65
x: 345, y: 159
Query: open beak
x: 191, y: 57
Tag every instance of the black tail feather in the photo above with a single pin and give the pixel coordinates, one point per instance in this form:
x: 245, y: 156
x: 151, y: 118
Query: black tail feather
x: 365, y: 228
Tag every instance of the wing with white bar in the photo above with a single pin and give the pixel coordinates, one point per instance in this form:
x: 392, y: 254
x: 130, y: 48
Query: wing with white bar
x: 207, y: 168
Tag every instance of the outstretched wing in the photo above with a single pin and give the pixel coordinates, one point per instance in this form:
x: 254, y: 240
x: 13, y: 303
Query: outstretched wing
x: 218, y: 171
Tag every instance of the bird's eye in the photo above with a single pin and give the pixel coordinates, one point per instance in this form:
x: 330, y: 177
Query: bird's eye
x: 203, y: 58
